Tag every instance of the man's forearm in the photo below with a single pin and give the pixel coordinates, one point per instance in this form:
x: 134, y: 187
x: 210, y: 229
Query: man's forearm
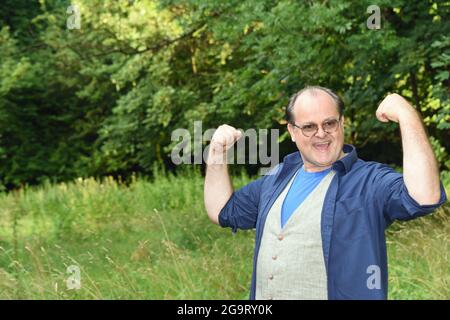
x: 218, y: 189
x: 420, y: 169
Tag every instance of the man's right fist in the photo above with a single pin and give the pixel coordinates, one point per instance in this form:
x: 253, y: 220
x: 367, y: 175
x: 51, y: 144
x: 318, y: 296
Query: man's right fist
x: 223, y: 138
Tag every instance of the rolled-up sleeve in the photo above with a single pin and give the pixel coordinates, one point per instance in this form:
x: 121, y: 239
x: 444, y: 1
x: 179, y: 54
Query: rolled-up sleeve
x: 397, y: 202
x: 241, y: 210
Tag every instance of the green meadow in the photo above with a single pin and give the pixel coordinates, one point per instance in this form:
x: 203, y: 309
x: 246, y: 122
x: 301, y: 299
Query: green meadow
x: 153, y: 240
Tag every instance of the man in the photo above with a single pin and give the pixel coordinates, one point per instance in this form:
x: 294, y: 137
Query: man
x: 320, y: 216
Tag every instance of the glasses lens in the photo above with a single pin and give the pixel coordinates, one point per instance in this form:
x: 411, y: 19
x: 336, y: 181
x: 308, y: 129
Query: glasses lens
x: 309, y: 129
x: 330, y: 126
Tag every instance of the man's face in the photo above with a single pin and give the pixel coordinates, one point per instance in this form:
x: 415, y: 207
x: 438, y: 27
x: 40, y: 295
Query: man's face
x: 322, y: 149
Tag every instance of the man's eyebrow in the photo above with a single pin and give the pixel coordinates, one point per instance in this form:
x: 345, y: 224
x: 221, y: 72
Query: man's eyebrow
x: 327, y: 119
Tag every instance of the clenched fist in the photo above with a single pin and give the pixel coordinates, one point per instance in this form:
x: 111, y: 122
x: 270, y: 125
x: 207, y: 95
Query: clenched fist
x: 393, y: 108
x: 224, y: 138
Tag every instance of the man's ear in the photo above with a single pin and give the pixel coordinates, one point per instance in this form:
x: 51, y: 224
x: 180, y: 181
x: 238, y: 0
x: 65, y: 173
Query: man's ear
x: 290, y: 128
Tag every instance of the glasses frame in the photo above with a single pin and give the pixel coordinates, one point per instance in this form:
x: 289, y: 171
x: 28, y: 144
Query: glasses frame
x: 317, y: 130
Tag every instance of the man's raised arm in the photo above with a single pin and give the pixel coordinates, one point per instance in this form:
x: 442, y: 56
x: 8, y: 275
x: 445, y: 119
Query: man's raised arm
x: 420, y: 169
x: 218, y: 188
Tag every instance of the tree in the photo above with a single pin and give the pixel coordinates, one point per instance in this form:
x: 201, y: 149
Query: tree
x: 105, y: 98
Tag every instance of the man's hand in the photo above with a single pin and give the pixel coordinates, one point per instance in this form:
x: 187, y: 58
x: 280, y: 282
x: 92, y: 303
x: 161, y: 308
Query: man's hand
x: 224, y: 138
x: 393, y: 108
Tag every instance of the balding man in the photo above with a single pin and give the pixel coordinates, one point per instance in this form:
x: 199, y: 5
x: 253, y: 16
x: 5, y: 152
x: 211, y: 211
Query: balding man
x: 320, y: 216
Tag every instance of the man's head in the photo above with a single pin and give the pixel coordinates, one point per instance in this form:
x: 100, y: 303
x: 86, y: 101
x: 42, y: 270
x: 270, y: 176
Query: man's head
x: 316, y: 125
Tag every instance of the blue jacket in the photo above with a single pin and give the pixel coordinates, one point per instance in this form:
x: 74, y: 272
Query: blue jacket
x: 363, y: 199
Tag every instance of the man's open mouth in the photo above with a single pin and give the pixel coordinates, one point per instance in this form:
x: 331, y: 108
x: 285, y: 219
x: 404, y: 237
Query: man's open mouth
x: 322, y: 146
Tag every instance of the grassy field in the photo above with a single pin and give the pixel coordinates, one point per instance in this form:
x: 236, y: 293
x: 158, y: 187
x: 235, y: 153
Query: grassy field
x: 153, y: 240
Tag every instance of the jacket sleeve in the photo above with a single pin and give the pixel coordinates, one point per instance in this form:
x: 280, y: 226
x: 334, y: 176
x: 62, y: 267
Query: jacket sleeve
x: 395, y: 199
x: 241, y: 210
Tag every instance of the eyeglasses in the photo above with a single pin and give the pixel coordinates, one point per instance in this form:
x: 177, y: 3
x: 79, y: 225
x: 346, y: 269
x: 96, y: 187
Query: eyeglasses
x: 310, y: 129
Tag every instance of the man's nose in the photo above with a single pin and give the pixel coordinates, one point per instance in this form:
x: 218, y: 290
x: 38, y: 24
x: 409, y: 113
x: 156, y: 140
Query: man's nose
x: 320, y: 133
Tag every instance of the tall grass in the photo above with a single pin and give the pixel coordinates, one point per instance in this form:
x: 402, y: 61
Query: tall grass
x: 419, y: 257
x: 153, y: 240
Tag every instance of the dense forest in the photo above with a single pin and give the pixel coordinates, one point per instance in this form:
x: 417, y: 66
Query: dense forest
x: 96, y: 87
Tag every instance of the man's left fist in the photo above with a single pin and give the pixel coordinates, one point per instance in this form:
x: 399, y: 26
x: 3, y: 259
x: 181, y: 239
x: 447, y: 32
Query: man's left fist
x: 393, y: 107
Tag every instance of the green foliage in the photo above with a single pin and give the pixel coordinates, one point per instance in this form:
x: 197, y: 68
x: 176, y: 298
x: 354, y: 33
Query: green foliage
x: 104, y: 99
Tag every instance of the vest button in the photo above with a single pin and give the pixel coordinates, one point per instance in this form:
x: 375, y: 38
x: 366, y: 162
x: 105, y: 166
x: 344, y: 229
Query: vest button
x: 270, y: 298
x: 280, y: 237
x: 271, y: 277
x: 274, y: 257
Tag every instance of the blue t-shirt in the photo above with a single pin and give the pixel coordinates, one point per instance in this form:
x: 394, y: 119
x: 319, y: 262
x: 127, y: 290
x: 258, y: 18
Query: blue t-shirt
x: 304, y: 182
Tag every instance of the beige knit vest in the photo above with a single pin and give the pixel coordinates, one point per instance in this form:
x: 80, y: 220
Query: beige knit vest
x: 290, y: 262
